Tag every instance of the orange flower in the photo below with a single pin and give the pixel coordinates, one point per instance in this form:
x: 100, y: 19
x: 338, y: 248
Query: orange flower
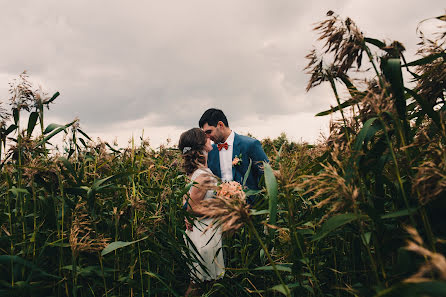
x: 236, y: 161
x: 230, y: 189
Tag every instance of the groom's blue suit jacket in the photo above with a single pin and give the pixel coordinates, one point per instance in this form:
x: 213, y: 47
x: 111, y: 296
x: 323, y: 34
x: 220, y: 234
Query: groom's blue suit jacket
x: 250, y: 149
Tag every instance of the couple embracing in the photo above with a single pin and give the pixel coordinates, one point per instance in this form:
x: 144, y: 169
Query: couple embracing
x: 228, y: 159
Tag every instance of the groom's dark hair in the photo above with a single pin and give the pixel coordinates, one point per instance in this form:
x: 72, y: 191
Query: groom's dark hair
x: 212, y: 116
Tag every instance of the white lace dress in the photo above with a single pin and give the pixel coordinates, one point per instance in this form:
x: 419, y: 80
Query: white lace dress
x: 208, y: 244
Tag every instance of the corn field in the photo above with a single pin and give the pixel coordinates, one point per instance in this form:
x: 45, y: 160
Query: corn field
x: 361, y: 213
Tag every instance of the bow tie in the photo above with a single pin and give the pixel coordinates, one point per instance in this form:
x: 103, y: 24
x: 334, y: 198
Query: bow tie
x: 222, y: 145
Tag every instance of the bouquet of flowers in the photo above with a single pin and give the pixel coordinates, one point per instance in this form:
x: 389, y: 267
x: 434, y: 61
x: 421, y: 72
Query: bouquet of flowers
x: 229, y: 208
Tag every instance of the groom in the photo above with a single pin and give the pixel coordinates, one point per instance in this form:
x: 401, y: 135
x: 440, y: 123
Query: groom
x: 232, y: 153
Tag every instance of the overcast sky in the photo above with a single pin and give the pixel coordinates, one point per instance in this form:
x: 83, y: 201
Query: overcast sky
x: 127, y: 66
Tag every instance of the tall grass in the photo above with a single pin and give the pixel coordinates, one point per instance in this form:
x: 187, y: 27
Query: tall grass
x: 360, y: 213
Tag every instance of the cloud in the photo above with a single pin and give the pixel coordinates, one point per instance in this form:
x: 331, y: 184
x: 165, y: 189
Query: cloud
x: 159, y: 64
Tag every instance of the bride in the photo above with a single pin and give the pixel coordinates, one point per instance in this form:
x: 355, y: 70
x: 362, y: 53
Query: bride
x: 195, y: 146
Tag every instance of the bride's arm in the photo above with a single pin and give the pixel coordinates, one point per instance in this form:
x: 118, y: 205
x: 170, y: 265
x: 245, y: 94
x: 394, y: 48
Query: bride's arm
x: 197, y: 193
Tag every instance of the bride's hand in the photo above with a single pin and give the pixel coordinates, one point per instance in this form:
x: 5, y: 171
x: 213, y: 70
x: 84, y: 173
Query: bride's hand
x: 189, y: 225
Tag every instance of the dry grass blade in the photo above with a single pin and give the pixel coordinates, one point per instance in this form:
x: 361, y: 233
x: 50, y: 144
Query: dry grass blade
x: 430, y: 180
x: 337, y: 138
x: 4, y: 115
x: 376, y: 100
x: 343, y: 39
x: 316, y: 68
x: 431, y: 81
x: 229, y: 209
x: 330, y: 186
x: 82, y: 237
x: 435, y: 263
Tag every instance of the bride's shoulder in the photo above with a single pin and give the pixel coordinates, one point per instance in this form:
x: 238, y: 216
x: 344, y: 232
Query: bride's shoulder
x: 197, y: 173
x: 201, y: 172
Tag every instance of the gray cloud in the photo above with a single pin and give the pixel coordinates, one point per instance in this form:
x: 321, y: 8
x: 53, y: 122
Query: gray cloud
x: 168, y: 61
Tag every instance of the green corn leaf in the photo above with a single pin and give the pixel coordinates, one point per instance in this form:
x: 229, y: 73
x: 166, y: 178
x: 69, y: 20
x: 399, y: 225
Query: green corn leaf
x: 77, y: 190
x: 55, y: 129
x: 32, y: 122
x: 17, y: 191
x: 191, y: 244
x: 117, y: 245
x: 259, y: 212
x: 69, y: 167
x: 375, y: 42
x: 370, y: 128
x: 110, y: 147
x: 400, y: 213
x: 336, y: 222
x: 98, y: 184
x: 367, y: 132
x: 262, y: 255
x: 83, y: 142
x: 180, y: 193
x: 366, y: 238
x: 281, y: 289
x: 16, y: 260
x: 92, y: 270
x: 51, y: 127
x: 392, y: 71
x: 245, y: 178
x: 426, y: 60
x: 53, y: 98
x: 271, y: 187
x: 426, y: 107
x: 250, y: 192
x: 10, y: 129
x: 343, y: 105
x: 103, y: 183
x: 400, y: 132
x: 270, y: 268
x: 15, y: 114
x: 350, y: 86
x: 154, y: 275
x: 83, y: 133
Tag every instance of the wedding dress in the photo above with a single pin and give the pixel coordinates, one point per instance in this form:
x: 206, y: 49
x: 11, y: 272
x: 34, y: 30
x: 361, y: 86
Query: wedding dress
x: 208, y: 244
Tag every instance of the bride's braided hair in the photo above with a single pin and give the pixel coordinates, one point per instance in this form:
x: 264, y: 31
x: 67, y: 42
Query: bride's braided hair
x: 191, y: 144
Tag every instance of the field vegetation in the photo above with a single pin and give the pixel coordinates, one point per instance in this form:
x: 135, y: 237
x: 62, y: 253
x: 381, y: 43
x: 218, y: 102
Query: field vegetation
x: 361, y: 213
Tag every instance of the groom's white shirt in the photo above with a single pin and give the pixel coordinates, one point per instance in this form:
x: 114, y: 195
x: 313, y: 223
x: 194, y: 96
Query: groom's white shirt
x: 226, y: 159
